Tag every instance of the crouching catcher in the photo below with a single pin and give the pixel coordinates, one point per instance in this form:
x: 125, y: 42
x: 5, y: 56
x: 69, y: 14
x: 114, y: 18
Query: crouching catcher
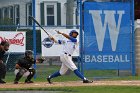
x: 24, y: 67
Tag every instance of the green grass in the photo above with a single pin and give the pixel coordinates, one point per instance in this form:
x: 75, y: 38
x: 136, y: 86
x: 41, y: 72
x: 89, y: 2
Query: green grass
x: 85, y: 89
x: 44, y: 71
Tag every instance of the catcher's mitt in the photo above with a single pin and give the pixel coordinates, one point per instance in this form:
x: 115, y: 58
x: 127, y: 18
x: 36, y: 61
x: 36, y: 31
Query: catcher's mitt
x: 41, y: 60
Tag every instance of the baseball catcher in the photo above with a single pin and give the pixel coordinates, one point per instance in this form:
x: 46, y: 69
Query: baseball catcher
x: 24, y: 68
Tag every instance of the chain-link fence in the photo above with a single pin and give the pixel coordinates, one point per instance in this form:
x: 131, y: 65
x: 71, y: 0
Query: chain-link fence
x: 62, y: 15
x: 18, y: 27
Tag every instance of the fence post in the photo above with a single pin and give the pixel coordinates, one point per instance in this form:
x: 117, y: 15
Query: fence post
x: 34, y: 33
x: 133, y: 39
x: 137, y: 45
x: 81, y: 36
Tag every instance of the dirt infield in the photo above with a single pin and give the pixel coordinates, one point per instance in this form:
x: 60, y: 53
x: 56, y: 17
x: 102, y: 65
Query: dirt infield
x: 71, y: 83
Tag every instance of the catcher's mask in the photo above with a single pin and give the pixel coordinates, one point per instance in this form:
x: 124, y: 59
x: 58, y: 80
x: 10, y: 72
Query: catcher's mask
x: 29, y: 54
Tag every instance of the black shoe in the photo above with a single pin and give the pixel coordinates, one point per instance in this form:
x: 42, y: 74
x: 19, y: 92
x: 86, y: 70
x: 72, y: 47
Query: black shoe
x: 2, y: 82
x: 87, y: 81
x: 49, y: 80
x: 27, y: 81
x: 15, y: 82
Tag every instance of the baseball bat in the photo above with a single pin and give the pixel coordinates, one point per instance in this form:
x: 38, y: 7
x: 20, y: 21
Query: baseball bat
x: 39, y: 25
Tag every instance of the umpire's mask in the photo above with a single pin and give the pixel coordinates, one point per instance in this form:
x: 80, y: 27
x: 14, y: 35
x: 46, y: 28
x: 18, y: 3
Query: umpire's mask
x: 5, y: 45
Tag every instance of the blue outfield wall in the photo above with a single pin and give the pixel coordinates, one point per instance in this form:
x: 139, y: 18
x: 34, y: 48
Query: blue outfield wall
x: 107, y: 35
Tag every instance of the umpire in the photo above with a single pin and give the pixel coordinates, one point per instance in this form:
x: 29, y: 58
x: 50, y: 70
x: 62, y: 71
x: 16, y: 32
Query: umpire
x: 24, y: 67
x: 4, y: 46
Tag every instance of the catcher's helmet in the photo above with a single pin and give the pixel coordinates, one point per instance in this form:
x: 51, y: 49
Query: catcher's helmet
x: 73, y: 31
x: 28, y: 52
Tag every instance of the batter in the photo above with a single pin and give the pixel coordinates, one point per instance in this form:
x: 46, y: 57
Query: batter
x: 69, y: 47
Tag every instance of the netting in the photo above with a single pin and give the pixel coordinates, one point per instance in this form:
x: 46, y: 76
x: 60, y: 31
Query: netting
x: 14, y: 19
x: 59, y: 15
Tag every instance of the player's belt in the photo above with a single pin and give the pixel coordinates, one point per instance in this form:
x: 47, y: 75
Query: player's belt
x: 67, y: 54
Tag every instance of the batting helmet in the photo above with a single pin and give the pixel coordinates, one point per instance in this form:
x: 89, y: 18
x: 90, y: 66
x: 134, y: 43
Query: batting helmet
x: 28, y: 52
x: 73, y: 31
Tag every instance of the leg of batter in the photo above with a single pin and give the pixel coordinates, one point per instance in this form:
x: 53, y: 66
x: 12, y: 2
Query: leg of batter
x: 67, y: 63
x: 70, y: 64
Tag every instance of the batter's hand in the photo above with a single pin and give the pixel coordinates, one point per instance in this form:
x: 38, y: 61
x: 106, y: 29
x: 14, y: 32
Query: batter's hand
x: 52, y: 38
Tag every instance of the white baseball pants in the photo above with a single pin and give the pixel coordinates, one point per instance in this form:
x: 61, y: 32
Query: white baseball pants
x: 67, y: 63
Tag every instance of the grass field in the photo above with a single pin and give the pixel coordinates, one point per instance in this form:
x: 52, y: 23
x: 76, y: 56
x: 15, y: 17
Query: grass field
x: 43, y: 72
x: 85, y: 89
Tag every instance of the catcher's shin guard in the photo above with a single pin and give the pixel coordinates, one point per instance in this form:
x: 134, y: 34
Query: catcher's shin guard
x: 32, y: 73
x: 18, y: 77
x: 19, y: 74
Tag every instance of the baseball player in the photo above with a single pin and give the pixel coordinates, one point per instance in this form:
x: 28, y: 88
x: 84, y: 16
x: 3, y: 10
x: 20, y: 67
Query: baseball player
x: 66, y: 57
x: 23, y: 67
x: 4, y: 46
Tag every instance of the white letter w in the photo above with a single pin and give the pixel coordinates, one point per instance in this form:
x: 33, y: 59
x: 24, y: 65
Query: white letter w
x: 100, y: 28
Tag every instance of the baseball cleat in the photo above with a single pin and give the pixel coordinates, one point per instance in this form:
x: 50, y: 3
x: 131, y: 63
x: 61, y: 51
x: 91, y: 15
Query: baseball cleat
x: 2, y: 82
x: 87, y: 81
x: 29, y: 82
x: 15, y: 82
x: 49, y: 80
